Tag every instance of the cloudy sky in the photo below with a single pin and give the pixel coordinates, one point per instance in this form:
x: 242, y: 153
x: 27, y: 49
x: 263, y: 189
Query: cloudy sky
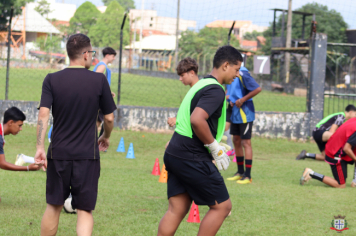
x: 257, y: 11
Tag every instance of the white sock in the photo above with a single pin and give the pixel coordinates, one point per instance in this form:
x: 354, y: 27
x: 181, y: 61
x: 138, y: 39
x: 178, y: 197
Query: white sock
x: 354, y: 180
x: 311, y: 172
x: 28, y: 159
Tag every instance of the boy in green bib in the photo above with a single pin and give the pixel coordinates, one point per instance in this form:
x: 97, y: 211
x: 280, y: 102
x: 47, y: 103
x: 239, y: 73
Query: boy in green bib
x: 188, y: 158
x: 325, y: 129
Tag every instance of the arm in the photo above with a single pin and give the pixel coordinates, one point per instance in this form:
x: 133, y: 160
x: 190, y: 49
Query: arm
x: 348, y: 150
x: 333, y: 128
x: 100, y: 69
x: 42, y: 123
x: 251, y: 94
x: 8, y: 166
x: 103, y: 141
x: 171, y: 121
x: 200, y: 125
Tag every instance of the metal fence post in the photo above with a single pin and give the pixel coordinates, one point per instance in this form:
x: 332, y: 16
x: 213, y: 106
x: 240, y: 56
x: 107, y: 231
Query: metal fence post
x: 120, y: 58
x: 8, y: 55
x: 317, y: 79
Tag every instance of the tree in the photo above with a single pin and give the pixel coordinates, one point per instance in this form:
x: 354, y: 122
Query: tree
x: 49, y: 44
x: 43, y: 8
x: 84, y: 17
x: 126, y: 4
x: 207, y: 40
x: 252, y: 35
x: 106, y: 32
x: 330, y: 22
x: 5, y: 6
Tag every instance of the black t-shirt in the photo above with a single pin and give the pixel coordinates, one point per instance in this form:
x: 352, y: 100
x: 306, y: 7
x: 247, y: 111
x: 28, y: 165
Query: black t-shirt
x: 352, y: 141
x: 211, y: 99
x: 75, y: 96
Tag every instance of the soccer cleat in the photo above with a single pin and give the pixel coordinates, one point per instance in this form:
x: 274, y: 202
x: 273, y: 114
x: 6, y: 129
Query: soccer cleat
x: 231, y: 152
x: 301, y: 155
x: 306, y: 176
x: 353, y: 184
x: 237, y: 176
x: 19, y: 160
x: 244, y: 180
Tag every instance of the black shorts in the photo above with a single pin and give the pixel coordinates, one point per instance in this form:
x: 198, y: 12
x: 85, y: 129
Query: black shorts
x: 339, y: 169
x: 79, y: 177
x: 318, y: 137
x: 201, y: 180
x: 228, y: 113
x: 242, y: 130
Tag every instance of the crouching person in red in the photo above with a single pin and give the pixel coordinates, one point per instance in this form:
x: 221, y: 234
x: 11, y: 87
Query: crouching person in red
x: 340, y: 151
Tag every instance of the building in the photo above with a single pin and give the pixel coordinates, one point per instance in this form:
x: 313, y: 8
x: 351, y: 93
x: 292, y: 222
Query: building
x: 155, y: 43
x: 60, y: 12
x: 240, y: 27
x: 158, y: 23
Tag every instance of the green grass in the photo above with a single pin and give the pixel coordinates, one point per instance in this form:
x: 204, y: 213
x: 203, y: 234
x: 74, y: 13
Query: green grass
x: 131, y: 201
x: 26, y: 84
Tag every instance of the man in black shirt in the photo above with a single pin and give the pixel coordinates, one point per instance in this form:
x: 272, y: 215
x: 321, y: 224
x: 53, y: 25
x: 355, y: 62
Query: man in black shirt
x: 75, y: 96
x: 200, y: 124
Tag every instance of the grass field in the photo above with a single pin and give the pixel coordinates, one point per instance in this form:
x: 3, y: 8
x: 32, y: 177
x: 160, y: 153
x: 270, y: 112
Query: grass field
x: 26, y: 84
x: 131, y: 201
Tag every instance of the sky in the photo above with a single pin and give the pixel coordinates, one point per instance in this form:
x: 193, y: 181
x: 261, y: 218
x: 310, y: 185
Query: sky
x: 257, y: 11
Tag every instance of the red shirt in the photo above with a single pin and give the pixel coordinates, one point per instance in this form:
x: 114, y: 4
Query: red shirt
x: 339, y: 139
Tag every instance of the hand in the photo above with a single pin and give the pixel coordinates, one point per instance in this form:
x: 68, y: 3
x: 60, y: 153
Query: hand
x: 103, y: 143
x: 171, y: 121
x: 231, y: 104
x: 40, y: 159
x: 227, y: 97
x: 219, y: 154
x: 239, y: 102
x: 113, y: 94
x: 167, y: 145
x: 34, y: 167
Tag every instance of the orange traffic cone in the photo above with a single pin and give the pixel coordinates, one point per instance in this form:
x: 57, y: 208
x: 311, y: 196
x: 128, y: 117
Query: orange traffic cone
x: 164, y: 175
x: 194, y: 214
x: 155, y: 170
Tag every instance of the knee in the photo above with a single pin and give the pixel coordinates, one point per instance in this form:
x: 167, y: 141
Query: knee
x: 237, y: 140
x: 341, y: 186
x: 246, y: 143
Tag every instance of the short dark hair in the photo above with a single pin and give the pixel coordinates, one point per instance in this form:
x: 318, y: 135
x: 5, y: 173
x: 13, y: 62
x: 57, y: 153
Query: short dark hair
x: 226, y: 53
x: 350, y: 108
x: 109, y: 51
x: 15, y: 114
x: 76, y: 45
x: 187, y: 64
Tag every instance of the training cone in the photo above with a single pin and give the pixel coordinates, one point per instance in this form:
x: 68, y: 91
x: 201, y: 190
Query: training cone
x: 155, y: 170
x: 164, y: 175
x: 234, y: 160
x: 121, y: 147
x: 194, y: 214
x: 130, y: 153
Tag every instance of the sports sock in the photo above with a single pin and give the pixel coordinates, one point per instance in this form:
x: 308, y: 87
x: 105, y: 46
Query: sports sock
x: 240, y: 165
x: 229, y: 139
x: 310, y: 155
x: 317, y: 176
x: 354, y: 180
x: 28, y: 159
x: 248, y: 164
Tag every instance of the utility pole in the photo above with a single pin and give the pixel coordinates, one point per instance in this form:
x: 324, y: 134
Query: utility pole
x: 288, y: 40
x: 177, y: 34
x: 142, y: 6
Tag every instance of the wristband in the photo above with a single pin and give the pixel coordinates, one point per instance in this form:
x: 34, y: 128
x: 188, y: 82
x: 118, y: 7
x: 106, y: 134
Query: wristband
x: 28, y: 169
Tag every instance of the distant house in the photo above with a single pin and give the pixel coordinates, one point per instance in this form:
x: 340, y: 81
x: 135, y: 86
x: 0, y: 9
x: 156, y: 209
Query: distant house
x: 240, y: 27
x: 26, y: 28
x: 60, y: 12
x: 156, y: 43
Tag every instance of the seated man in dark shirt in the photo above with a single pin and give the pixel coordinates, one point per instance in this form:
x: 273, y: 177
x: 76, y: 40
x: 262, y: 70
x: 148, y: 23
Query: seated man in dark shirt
x: 339, y: 152
x: 188, y: 158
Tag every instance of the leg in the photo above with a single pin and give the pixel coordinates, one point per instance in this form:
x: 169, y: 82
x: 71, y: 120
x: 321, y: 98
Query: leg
x: 214, y: 218
x: 85, y: 223
x: 320, y: 157
x: 332, y: 182
x: 50, y: 219
x: 177, y: 209
x: 246, y: 143
x: 238, y: 145
x: 227, y: 126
